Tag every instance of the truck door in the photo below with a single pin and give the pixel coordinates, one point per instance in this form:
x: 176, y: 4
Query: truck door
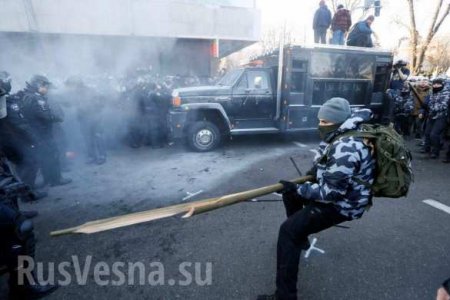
x: 253, y: 96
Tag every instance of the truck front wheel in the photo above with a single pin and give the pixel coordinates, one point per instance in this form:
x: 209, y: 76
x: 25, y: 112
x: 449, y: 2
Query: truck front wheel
x: 203, y: 136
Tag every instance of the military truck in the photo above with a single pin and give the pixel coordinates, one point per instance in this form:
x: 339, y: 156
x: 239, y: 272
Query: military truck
x: 280, y: 92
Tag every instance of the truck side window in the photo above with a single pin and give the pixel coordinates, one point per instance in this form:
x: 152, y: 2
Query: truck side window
x: 243, y: 84
x: 298, y: 82
x: 257, y: 80
x: 298, y: 77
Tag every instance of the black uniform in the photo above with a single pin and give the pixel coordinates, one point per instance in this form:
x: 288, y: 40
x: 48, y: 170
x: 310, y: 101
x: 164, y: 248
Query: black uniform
x: 40, y: 117
x: 16, y: 236
x: 18, y: 140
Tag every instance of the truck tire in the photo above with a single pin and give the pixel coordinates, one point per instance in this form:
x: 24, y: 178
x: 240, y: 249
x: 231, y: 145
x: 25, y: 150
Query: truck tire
x: 203, y: 136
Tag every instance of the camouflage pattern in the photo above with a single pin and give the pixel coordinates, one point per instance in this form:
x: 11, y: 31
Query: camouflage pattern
x: 438, y: 104
x: 341, y: 166
x: 403, y: 105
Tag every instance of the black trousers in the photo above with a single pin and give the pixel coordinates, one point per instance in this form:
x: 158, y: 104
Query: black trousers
x: 49, y: 160
x: 320, y: 35
x: 293, y: 237
x: 402, y: 124
x: 433, y: 134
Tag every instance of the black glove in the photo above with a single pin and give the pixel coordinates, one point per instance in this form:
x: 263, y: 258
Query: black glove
x: 288, y: 187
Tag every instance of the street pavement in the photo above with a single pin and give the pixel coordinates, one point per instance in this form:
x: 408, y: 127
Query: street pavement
x: 400, y: 249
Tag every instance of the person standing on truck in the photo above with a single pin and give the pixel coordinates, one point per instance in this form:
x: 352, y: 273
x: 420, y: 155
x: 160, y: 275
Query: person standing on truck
x: 360, y: 34
x: 338, y: 194
x: 341, y: 23
x: 321, y: 23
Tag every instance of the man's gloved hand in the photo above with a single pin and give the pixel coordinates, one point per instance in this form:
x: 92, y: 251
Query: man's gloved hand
x: 288, y: 187
x: 304, y: 191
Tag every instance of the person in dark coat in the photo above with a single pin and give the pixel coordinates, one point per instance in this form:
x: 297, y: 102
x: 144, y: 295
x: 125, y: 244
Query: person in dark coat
x: 341, y: 23
x: 321, y: 23
x: 89, y: 105
x: 41, y: 118
x: 361, y: 34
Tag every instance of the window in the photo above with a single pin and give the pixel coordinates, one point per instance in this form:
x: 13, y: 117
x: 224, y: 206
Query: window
x: 243, y: 84
x: 354, y: 92
x: 299, y: 65
x: 337, y: 65
x: 257, y: 80
x: 298, y: 82
x: 230, y: 78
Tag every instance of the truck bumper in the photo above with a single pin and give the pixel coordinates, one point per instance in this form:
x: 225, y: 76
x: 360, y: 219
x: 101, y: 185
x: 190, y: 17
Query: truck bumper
x: 177, y: 122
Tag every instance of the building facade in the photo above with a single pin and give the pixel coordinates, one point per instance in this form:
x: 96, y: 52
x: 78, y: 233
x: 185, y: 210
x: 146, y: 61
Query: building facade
x: 173, y: 36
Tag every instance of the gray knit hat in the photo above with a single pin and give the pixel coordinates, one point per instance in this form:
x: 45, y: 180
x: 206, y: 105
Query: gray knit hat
x: 335, y: 110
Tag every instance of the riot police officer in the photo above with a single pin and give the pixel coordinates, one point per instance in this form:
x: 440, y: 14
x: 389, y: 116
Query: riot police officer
x: 16, y: 233
x: 17, y: 237
x: 39, y: 115
x: 17, y: 137
x: 437, y: 107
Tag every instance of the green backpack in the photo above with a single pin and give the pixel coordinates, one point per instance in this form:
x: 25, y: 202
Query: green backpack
x: 393, y: 172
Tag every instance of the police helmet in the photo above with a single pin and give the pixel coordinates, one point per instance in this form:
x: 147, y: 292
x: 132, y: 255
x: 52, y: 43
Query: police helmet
x: 38, y: 81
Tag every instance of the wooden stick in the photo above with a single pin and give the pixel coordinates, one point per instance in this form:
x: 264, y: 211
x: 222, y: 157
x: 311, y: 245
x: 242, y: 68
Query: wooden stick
x: 189, y: 209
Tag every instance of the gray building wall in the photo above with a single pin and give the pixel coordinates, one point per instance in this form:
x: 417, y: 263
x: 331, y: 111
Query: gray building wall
x: 63, y: 37
x: 157, y: 18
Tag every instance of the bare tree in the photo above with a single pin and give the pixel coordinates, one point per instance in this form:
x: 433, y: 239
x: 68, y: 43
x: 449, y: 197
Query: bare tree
x: 351, y: 5
x: 438, y: 55
x: 419, y: 49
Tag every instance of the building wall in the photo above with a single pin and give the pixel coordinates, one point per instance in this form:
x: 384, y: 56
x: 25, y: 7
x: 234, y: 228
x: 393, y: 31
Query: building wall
x: 64, y: 37
x: 227, y: 19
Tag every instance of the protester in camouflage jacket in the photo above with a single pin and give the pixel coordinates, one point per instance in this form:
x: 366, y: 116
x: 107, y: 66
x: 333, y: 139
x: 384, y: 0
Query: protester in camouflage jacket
x: 438, y: 102
x: 338, y: 164
x: 403, y: 109
x: 342, y: 164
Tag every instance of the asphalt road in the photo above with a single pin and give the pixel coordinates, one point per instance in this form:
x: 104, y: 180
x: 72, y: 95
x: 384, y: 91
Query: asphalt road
x: 398, y: 250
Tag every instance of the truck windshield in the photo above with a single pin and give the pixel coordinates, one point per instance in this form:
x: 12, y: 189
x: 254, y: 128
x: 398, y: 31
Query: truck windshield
x: 230, y: 78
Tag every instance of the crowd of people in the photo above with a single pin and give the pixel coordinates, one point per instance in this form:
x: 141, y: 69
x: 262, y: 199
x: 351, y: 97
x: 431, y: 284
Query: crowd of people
x: 343, y: 33
x: 37, y: 136
x: 421, y: 110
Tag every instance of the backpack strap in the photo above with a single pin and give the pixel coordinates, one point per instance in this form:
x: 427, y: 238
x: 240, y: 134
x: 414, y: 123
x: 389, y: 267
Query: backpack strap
x: 359, y: 134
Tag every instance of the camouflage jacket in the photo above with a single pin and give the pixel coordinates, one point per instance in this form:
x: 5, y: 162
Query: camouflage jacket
x: 438, y: 104
x: 341, y: 165
x: 403, y: 105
